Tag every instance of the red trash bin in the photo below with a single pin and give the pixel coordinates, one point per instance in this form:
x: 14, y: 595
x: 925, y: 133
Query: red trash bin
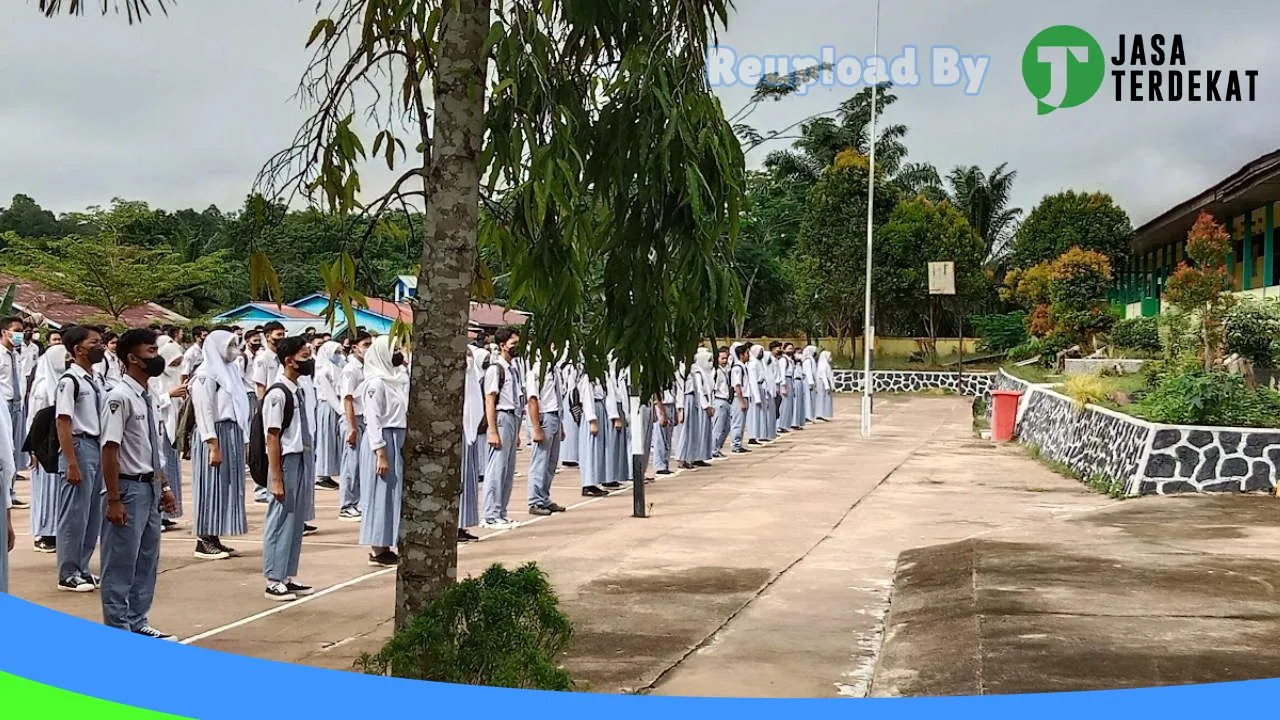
x: 1004, y: 413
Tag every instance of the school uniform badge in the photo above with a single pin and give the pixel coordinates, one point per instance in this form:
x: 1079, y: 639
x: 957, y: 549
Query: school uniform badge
x: 113, y: 406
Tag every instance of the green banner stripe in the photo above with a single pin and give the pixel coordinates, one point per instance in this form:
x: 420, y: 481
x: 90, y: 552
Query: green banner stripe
x: 28, y: 700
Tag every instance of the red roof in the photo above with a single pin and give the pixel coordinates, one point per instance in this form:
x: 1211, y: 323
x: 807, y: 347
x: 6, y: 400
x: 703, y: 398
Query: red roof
x: 495, y: 316
x: 388, y: 309
x: 34, y: 298
x: 288, y: 311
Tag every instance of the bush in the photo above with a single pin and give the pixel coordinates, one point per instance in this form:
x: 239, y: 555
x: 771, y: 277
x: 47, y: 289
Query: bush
x: 1155, y: 372
x: 503, y: 629
x: 1214, y: 398
x: 1252, y: 330
x: 1000, y: 333
x: 1140, y: 333
x: 1085, y: 390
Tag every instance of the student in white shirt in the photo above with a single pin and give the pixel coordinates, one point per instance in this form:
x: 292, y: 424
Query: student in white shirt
x: 350, y: 379
x: 7, y: 536
x: 79, y: 404
x: 739, y: 403
x: 502, y: 388
x: 721, y: 394
x: 591, y: 444
x: 109, y: 369
x: 385, y: 395
x: 547, y: 404
x: 136, y: 489
x: 194, y: 355
x: 291, y: 474
x: 266, y: 367
x: 13, y: 388
x: 329, y: 410
x: 472, y: 415
x: 218, y: 453
x: 170, y: 390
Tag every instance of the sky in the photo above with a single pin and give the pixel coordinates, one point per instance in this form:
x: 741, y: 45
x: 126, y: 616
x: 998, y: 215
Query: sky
x: 183, y: 111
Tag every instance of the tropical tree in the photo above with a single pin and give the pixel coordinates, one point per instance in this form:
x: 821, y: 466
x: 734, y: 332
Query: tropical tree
x: 1090, y: 221
x: 1197, y: 291
x: 601, y: 153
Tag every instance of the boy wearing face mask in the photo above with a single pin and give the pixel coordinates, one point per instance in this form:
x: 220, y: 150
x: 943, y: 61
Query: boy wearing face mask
x: 266, y: 366
x: 13, y: 389
x: 136, y: 489
x: 291, y: 474
x: 349, y: 382
x: 79, y: 402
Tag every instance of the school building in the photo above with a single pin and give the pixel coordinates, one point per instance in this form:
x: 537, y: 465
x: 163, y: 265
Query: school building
x: 1245, y: 203
x: 377, y: 318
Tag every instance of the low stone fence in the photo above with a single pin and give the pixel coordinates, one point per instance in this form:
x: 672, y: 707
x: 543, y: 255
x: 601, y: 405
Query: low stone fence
x: 907, y: 381
x: 1148, y: 458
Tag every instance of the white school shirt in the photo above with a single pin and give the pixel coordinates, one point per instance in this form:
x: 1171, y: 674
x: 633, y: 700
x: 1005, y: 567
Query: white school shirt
x: 291, y: 440
x: 809, y: 372
x: 548, y: 391
x: 11, y: 361
x: 510, y: 388
x: 591, y: 392
x: 618, y: 394
x: 125, y: 424
x: 109, y: 374
x: 701, y: 389
x: 349, y: 384
x: 720, y: 384
x: 191, y: 360
x: 738, y: 379
x: 266, y: 368
x: 212, y: 404
x: 382, y: 409
x: 30, y: 356
x: 326, y: 385
x: 755, y: 372
x: 84, y: 408
x: 244, y: 364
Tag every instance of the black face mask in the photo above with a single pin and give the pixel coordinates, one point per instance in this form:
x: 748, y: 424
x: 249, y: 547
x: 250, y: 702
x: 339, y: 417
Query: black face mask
x: 153, y: 366
x: 97, y: 355
x: 397, y: 359
x: 307, y: 368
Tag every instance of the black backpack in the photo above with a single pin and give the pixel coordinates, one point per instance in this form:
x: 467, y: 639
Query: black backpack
x: 483, y: 428
x: 42, y: 439
x: 256, y: 455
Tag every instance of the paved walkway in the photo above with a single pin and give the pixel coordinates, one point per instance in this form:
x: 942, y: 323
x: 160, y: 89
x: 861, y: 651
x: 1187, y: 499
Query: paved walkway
x: 766, y: 575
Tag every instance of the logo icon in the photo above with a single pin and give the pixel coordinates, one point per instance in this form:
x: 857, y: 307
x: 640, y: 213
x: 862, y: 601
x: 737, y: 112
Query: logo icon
x: 1063, y: 67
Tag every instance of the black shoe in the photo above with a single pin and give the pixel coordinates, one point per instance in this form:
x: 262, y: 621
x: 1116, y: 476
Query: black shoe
x: 309, y: 529
x: 327, y: 484
x: 717, y: 455
x: 593, y: 491
x: 702, y: 463
x: 663, y: 472
x: 299, y: 589
x: 740, y: 451
x: 784, y: 431
x: 217, y: 542
x: 686, y: 466
x: 556, y: 508
x: 539, y: 510
x: 148, y: 631
x: 569, y: 464
x: 75, y: 584
x: 206, y: 550
x: 279, y: 592
x: 46, y: 545
x: 167, y: 525
x: 464, y: 536
x: 611, y: 485
x: 386, y: 559
x: 753, y: 442
x: 18, y: 504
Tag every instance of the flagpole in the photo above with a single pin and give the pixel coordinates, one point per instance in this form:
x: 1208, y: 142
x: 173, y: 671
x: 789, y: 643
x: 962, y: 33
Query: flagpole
x: 868, y: 329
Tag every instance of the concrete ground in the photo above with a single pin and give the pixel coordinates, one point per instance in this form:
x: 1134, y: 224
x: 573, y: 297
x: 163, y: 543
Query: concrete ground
x: 771, y: 574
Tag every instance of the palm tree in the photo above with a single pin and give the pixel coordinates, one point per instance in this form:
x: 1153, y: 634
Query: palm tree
x: 982, y: 197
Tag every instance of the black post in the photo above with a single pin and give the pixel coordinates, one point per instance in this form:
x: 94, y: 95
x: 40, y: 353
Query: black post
x: 640, y: 463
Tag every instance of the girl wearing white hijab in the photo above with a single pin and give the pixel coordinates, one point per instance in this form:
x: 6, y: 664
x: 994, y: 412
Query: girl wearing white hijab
x: 385, y: 394
x: 328, y: 410
x: 569, y: 381
x: 694, y: 448
x: 769, y: 390
x: 217, y: 458
x: 44, y: 486
x: 810, y: 382
x: 756, y: 419
x: 169, y: 391
x: 826, y: 384
x: 472, y: 414
x: 617, y: 438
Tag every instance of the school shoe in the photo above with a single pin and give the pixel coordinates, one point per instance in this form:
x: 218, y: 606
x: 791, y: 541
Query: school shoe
x: 611, y: 485
x: 555, y: 508
x: 753, y: 442
x: 570, y: 464
x: 299, y: 589
x: 717, y: 455
x: 230, y: 551
x: 46, y: 545
x: 327, y: 484
x: 464, y: 536
x: 209, y: 551
x: 349, y: 515
x: 279, y: 592
x: 95, y: 581
x: 385, y: 559
x: 167, y: 525
x: 148, y: 631
x: 309, y: 529
x: 593, y: 491
x: 539, y: 510
x: 18, y: 503
x: 686, y: 466
x: 740, y: 451
x: 75, y: 584
x: 663, y: 472
x: 702, y: 464
x: 499, y: 524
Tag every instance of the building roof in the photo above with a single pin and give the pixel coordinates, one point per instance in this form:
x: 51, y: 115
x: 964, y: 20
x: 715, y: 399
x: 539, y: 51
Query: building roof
x: 1250, y: 187
x: 280, y: 311
x: 495, y: 316
x: 59, y: 310
x: 410, y: 281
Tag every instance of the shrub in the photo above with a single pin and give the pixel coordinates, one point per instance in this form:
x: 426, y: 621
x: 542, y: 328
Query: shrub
x: 1155, y: 372
x: 1252, y: 330
x: 1214, y: 398
x: 1085, y: 390
x: 1001, y: 332
x: 503, y: 629
x: 1140, y: 333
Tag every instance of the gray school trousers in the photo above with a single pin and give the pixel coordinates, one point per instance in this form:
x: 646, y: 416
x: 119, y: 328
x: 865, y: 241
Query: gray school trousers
x: 131, y: 557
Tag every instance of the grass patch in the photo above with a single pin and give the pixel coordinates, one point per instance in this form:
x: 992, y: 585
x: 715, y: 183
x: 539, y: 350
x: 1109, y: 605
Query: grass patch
x: 1034, y: 374
x: 1096, y: 482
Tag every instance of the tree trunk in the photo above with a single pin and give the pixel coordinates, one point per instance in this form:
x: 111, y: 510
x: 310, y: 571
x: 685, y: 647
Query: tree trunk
x: 433, y: 444
x: 741, y: 324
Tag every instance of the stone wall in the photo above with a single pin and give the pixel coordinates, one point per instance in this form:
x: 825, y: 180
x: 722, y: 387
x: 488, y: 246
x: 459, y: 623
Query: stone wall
x: 904, y: 381
x: 1148, y: 458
